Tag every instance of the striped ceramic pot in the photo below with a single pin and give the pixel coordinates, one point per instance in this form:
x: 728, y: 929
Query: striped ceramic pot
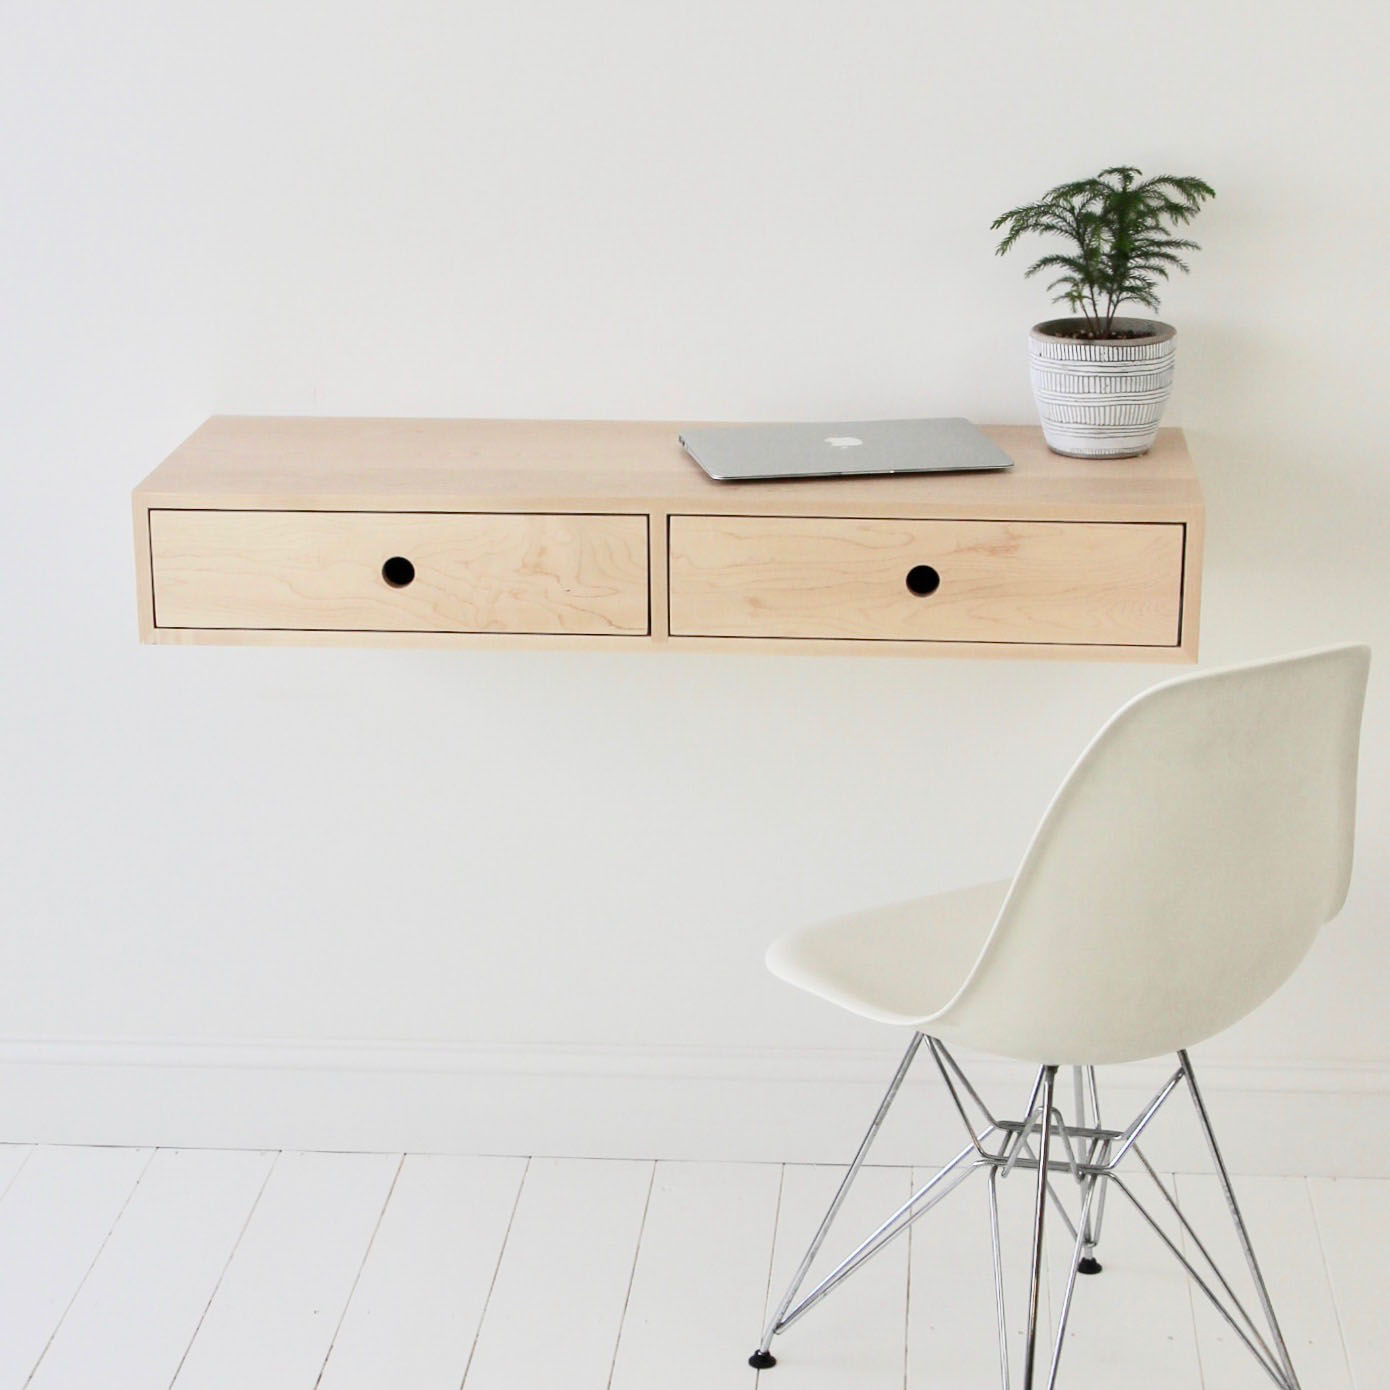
x: 1102, y: 400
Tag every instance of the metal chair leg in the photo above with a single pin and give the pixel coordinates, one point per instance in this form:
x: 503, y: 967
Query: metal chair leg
x: 1088, y: 1097
x: 1059, y: 1341
x: 1091, y: 1155
x: 763, y: 1358
x: 1000, y: 1316
x: 1198, y: 1104
x: 1089, y: 1263
x: 1039, y: 1212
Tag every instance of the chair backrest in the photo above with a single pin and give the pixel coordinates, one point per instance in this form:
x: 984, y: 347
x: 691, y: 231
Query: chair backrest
x: 1182, y: 870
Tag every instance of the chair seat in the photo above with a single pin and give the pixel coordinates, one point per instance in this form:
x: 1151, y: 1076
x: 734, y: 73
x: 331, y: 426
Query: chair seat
x: 896, y: 964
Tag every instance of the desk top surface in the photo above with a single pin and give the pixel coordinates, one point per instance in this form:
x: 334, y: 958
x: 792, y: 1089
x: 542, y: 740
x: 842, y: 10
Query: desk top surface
x: 292, y: 462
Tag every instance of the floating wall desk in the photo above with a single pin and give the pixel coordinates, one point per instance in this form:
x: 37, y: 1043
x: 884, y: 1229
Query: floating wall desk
x: 605, y: 535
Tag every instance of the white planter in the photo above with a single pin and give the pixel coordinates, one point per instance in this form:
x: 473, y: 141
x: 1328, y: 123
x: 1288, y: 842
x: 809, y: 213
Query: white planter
x: 1102, y: 399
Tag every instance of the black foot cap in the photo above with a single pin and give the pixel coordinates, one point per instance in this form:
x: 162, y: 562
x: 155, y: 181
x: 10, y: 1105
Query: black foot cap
x: 1090, y: 1265
x: 762, y: 1360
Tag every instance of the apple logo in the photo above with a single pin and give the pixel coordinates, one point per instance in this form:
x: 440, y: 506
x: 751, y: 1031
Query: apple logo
x: 843, y: 441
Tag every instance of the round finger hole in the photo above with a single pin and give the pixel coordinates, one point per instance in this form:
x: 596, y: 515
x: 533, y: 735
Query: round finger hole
x: 398, y: 571
x: 923, y: 580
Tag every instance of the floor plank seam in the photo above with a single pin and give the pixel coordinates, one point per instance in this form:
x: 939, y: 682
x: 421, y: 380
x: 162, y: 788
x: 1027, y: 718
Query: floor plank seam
x: 907, y: 1295
x: 1332, y: 1287
x: 1320, y: 1233
x: 226, y: 1264
x: 492, y: 1283
x: 1191, y: 1288
x: 772, y: 1258
x: 631, y: 1276
x: 357, y: 1278
x: 87, y: 1273
x: 14, y: 1177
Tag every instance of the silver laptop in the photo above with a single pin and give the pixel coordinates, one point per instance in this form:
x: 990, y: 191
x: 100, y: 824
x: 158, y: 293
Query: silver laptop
x: 745, y: 453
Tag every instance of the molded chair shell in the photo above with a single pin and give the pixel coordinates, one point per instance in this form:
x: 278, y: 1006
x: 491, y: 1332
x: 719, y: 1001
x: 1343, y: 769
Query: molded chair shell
x: 1177, y: 879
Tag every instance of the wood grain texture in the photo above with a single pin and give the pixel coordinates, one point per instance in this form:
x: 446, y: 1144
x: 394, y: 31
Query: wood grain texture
x: 1000, y: 581
x: 610, y: 465
x: 724, y: 646
x: 144, y: 579
x: 560, y: 475
x: 1194, y: 551
x: 473, y: 573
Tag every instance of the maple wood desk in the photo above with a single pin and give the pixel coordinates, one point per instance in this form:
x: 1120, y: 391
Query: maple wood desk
x: 604, y: 534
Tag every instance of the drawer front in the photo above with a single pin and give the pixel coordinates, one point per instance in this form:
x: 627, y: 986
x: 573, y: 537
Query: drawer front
x: 1088, y: 583
x: 400, y: 572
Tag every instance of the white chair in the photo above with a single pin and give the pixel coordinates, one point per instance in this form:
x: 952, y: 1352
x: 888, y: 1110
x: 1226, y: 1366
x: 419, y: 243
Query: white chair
x: 1180, y: 874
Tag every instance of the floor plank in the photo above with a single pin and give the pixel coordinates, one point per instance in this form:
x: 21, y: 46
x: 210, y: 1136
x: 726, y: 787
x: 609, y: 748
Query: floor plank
x: 271, y: 1322
x: 855, y: 1338
x: 1132, y: 1324
x: 1353, y: 1216
x: 140, y: 1305
x: 595, y: 1275
x: 952, y: 1330
x: 419, y: 1301
x: 701, y: 1278
x: 12, y: 1158
x: 60, y: 1207
x: 1283, y: 1229
x: 557, y: 1302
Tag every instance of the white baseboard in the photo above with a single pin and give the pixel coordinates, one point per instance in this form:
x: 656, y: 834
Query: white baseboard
x: 643, y: 1102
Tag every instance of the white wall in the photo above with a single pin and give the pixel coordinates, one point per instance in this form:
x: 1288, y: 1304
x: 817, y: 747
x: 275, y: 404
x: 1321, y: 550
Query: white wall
x: 714, y: 210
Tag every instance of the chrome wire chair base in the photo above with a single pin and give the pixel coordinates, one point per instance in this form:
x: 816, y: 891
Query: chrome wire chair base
x: 1083, y: 1150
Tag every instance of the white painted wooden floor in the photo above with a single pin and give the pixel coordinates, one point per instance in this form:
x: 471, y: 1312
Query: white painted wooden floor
x: 137, y: 1269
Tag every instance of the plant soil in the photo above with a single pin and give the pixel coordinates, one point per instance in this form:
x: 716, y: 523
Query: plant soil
x: 1085, y: 335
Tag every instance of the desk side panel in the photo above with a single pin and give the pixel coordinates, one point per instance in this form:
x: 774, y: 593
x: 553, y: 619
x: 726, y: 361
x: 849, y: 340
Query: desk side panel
x: 144, y: 579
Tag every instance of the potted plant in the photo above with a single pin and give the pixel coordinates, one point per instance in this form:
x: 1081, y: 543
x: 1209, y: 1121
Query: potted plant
x: 1102, y: 381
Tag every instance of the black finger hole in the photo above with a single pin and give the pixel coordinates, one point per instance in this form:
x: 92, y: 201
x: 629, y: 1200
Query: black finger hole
x: 923, y: 580
x: 398, y: 571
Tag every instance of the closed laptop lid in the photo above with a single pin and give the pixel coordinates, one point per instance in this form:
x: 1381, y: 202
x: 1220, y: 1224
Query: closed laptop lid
x: 737, y: 453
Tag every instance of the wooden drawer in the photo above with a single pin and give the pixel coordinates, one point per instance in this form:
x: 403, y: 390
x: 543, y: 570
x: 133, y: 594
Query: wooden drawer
x: 1046, y: 582
x: 339, y: 571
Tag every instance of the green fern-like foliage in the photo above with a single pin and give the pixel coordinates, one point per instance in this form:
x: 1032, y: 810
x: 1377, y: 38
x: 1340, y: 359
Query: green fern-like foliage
x: 1120, y: 226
